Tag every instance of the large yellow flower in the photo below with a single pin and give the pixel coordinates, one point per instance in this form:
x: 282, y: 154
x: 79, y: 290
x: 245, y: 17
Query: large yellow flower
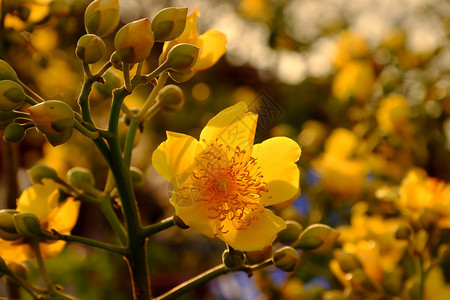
x: 223, y: 182
x: 211, y: 44
x: 43, y: 201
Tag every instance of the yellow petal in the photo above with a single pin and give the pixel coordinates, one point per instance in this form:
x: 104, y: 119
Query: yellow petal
x: 257, y: 235
x: 39, y: 199
x: 277, y: 157
x: 212, y: 45
x: 12, y: 252
x: 232, y: 127
x: 190, y: 32
x: 51, y: 249
x: 175, y: 157
x: 64, y: 217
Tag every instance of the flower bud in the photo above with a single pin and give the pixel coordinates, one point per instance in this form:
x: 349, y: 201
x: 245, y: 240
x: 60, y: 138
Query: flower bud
x: 360, y: 281
x: 181, y: 57
x: 6, y: 118
x: 8, y: 231
x: 317, y: 239
x: 291, y: 233
x: 41, y: 171
x: 256, y: 257
x: 7, y: 72
x: 102, y: 17
x: 179, y: 223
x: 116, y: 61
x: 233, y: 259
x: 181, y: 76
x: 112, y: 81
x: 27, y: 224
x: 14, y: 133
x: 58, y: 139
x: 171, y: 97
x: 12, y: 95
x: 347, y: 261
x: 52, y: 117
x: 286, y: 259
x: 137, y: 177
x: 80, y: 178
x: 134, y: 41
x: 169, y: 23
x: 403, y: 232
x: 90, y: 48
x: 428, y: 218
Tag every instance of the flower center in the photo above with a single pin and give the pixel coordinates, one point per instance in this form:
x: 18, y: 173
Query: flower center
x: 231, y: 183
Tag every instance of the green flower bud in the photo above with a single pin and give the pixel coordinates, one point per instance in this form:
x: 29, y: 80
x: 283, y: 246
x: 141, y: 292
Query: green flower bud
x: 8, y: 231
x: 12, y: 95
x: 233, y: 259
x: 41, y: 171
x: 179, y: 223
x: 403, y: 232
x: 137, y: 177
x: 134, y: 41
x: 58, y: 139
x: 27, y: 224
x: 171, y: 97
x: 256, y: 257
x: 286, y: 259
x: 181, y: 76
x: 347, y: 261
x: 6, y: 118
x: 169, y: 23
x: 52, y: 117
x: 90, y: 48
x: 360, y: 281
x: 289, y: 235
x: 427, y: 219
x: 7, y: 72
x: 112, y: 81
x: 80, y: 178
x: 14, y: 133
x: 116, y: 61
x: 181, y: 57
x: 317, y: 239
x: 102, y: 17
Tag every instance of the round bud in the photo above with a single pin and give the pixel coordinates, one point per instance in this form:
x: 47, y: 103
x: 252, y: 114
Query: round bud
x: 58, y: 139
x: 6, y: 118
x: 291, y: 233
x: 286, y: 259
x: 116, y: 61
x: 80, y: 178
x: 12, y: 95
x: 317, y: 239
x: 181, y: 57
x: 52, y: 117
x: 347, y: 261
x: 169, y: 23
x: 134, y: 41
x: 8, y: 231
x: 181, y: 76
x: 137, y: 177
x: 14, y: 133
x: 102, y: 17
x: 41, y: 171
x: 27, y: 224
x: 7, y: 72
x: 403, y: 232
x: 256, y: 257
x: 233, y: 259
x: 90, y: 48
x: 171, y: 97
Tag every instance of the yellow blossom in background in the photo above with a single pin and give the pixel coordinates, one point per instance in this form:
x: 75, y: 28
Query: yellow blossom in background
x: 436, y: 288
x: 44, y: 39
x: 354, y: 81
x: 350, y: 46
x: 43, y: 201
x: 393, y: 114
x: 38, y: 11
x: 211, y: 44
x: 223, y: 182
x: 419, y: 192
x: 256, y: 9
x: 341, y: 174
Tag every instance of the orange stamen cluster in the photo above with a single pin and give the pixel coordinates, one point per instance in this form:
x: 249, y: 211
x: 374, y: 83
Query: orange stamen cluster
x: 231, y: 183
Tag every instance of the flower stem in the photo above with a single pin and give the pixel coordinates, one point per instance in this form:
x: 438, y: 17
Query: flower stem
x: 87, y: 70
x: 129, y: 140
x: 151, y: 98
x: 103, y: 70
x: 155, y: 228
x: 90, y: 134
x: 34, y: 243
x: 126, y: 77
x: 111, y: 216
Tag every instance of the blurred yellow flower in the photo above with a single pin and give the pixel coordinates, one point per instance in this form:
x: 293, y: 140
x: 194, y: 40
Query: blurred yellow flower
x: 393, y: 114
x: 436, y: 288
x: 419, y: 192
x: 211, y: 44
x: 354, y: 81
x: 350, y: 46
x: 256, y: 9
x: 223, y: 182
x: 340, y: 173
x: 43, y: 201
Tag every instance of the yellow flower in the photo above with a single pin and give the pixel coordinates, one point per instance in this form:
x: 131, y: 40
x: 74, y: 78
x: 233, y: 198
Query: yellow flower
x: 211, y: 44
x: 43, y: 201
x: 223, y: 182
x: 354, y: 81
x: 349, y: 46
x: 419, y: 192
x: 393, y: 113
x: 436, y: 287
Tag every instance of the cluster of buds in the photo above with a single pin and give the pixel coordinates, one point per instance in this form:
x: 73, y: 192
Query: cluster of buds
x: 15, y: 226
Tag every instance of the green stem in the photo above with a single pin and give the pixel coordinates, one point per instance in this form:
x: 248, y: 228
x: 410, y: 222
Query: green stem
x: 126, y: 77
x: 25, y: 285
x: 139, y: 68
x: 90, y: 134
x: 30, y: 100
x: 152, y: 111
x: 34, y: 243
x: 155, y: 228
x: 86, y: 241
x: 151, y: 98
x: 103, y: 70
x: 136, y: 258
x: 111, y: 216
x: 31, y: 92
x: 87, y: 70
x: 129, y: 140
